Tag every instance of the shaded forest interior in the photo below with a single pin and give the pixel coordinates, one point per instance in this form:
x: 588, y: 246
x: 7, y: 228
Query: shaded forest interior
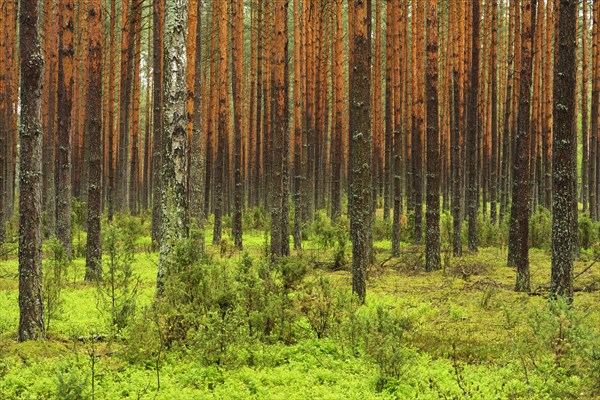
x: 301, y: 173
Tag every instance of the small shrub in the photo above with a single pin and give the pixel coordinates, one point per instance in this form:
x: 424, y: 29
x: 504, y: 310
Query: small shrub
x: 118, y: 289
x: 54, y: 270
x: 540, y: 229
x: 382, y: 229
x: 587, y: 233
x: 70, y: 386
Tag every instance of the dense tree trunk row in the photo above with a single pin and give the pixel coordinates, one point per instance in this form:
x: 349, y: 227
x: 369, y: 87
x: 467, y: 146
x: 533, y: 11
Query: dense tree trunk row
x: 193, y: 109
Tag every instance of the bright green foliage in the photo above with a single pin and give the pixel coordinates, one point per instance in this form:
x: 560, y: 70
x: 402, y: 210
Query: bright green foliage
x: 118, y: 289
x: 243, y: 327
x: 54, y: 270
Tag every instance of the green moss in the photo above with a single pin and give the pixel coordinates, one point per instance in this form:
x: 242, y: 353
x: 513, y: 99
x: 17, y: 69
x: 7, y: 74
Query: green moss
x: 456, y: 333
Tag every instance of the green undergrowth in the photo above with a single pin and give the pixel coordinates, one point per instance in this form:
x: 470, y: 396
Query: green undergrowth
x: 236, y: 325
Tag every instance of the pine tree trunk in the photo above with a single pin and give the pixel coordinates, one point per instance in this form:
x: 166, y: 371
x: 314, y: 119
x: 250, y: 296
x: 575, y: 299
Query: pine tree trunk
x: 94, y: 128
x: 197, y: 167
x: 417, y: 115
x: 222, y: 120
x: 65, y: 106
x: 432, y: 234
x: 279, y: 122
x: 565, y: 112
x: 174, y: 207
x: 338, y: 123
x: 360, y: 156
x: 237, y: 74
x: 494, y: 116
x: 472, y: 127
x: 584, y: 109
x: 157, y: 125
x: 31, y: 314
x: 298, y: 126
x: 518, y: 243
x: 50, y: 44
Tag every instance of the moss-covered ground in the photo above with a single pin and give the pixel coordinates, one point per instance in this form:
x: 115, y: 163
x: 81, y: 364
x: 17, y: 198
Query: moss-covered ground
x: 461, y: 332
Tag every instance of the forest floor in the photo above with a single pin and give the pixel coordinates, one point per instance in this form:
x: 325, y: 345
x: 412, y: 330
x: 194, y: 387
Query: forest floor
x: 461, y: 332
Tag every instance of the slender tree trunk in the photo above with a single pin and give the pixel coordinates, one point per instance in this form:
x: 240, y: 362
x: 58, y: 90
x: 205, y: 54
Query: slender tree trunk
x: 518, y: 245
x: 494, y: 116
x: 157, y: 126
x: 458, y: 122
x: 94, y: 128
x: 417, y: 115
x: 237, y: 74
x: 222, y: 120
x: 584, y: 109
x: 280, y: 116
x: 65, y: 105
x: 4, y: 127
x: 396, y: 46
x: 472, y: 124
x: 134, y: 161
x: 565, y: 112
x: 432, y: 234
x: 197, y: 167
x: 338, y: 115
x: 50, y: 44
x: 174, y: 208
x: 360, y: 156
x: 594, y: 113
x: 31, y: 313
x: 299, y: 128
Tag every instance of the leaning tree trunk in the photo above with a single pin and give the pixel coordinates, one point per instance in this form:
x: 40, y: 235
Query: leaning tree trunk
x: 174, y: 207
x: 31, y: 318
x: 94, y: 126
x: 563, y: 143
x: 432, y: 234
x: 360, y: 136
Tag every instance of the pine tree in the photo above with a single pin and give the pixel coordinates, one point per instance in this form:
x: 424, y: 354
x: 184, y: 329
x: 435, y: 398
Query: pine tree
x: 94, y: 128
x: 563, y: 160
x: 31, y: 313
x: 360, y: 136
x: 432, y: 234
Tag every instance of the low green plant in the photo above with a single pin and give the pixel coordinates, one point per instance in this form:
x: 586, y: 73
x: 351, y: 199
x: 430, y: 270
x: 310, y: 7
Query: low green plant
x: 54, y: 270
x: 117, y: 291
x: 540, y: 229
x: 71, y: 386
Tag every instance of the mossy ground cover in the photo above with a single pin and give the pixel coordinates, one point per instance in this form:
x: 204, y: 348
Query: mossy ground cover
x: 461, y: 332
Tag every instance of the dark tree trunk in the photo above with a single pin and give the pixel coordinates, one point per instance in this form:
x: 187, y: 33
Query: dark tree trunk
x: 472, y: 127
x: 31, y: 314
x: 360, y: 135
x: 432, y: 234
x: 564, y: 140
x: 494, y: 116
x: 94, y: 127
x: 65, y: 103
x: 418, y: 111
x: 584, y: 109
x: 157, y: 129
x: 197, y: 169
x: 279, y: 121
x: 237, y: 74
x: 518, y: 242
